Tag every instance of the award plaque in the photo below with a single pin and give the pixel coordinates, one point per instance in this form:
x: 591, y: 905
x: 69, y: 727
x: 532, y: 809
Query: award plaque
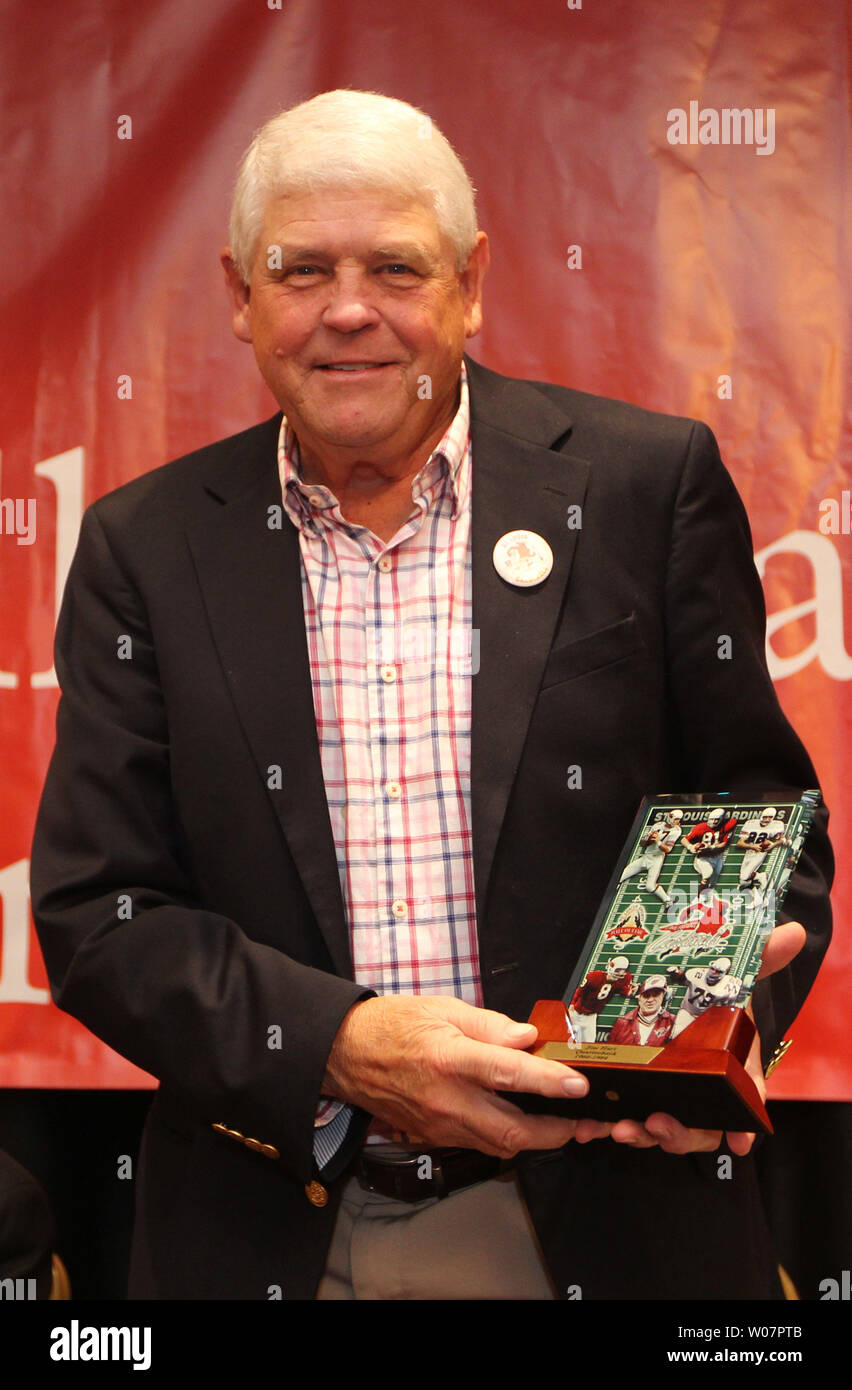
x: 654, y: 1014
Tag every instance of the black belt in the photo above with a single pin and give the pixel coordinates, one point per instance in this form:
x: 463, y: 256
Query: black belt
x: 413, y: 1176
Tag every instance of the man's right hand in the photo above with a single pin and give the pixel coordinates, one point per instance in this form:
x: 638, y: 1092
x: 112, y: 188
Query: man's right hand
x: 430, y: 1066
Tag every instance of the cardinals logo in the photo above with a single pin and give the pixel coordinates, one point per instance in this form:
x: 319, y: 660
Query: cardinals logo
x: 703, y: 917
x: 699, y: 928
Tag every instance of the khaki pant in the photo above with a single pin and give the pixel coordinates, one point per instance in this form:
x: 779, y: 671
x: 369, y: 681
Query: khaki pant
x: 478, y: 1243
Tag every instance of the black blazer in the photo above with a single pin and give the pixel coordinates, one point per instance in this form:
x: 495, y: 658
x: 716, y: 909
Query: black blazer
x: 27, y: 1230
x: 186, y: 903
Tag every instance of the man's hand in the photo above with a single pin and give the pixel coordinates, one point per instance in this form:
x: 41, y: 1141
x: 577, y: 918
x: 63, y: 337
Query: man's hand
x: 785, y: 942
x: 431, y: 1066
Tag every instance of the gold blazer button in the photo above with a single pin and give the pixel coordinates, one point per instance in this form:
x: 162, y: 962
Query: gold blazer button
x: 316, y: 1194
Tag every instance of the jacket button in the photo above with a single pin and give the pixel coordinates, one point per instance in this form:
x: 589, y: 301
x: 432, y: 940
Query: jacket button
x: 269, y: 1150
x: 231, y: 1133
x: 316, y: 1194
x: 253, y: 1144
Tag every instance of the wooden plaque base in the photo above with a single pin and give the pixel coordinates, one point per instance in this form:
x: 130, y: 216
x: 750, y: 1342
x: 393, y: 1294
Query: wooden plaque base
x: 699, y: 1077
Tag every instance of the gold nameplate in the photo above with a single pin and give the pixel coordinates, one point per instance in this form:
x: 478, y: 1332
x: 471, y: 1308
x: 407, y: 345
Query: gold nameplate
x: 617, y: 1053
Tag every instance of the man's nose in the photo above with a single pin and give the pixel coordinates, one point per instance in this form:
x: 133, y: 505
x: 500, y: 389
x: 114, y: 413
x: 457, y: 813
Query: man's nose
x: 351, y: 303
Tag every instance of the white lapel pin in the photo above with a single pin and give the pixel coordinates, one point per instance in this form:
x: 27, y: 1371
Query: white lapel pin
x: 523, y: 558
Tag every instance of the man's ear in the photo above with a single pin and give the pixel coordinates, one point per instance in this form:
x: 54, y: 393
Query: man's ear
x: 238, y: 292
x: 471, y: 285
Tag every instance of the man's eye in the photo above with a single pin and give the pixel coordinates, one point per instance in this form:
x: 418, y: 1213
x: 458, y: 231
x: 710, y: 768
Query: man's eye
x: 398, y: 268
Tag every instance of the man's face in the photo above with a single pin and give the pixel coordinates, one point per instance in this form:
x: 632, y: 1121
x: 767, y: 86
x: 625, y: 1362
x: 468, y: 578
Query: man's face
x: 650, y: 1003
x: 367, y: 280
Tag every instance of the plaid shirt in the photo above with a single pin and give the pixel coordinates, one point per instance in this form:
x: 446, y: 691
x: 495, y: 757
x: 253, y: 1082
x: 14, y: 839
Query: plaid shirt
x: 389, y: 640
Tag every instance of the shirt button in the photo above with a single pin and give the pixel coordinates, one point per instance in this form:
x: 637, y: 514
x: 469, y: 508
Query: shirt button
x: 393, y: 789
x: 399, y: 907
x: 388, y: 674
x: 385, y: 564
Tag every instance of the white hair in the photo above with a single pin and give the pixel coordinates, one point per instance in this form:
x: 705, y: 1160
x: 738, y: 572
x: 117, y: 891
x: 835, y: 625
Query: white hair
x: 354, y: 141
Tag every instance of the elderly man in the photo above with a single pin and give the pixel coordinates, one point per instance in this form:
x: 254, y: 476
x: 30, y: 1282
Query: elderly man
x: 286, y: 854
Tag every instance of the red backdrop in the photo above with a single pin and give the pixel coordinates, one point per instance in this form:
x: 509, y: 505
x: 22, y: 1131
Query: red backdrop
x: 708, y: 278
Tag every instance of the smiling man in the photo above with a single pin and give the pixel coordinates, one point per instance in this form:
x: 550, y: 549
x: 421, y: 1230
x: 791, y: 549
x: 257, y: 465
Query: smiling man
x: 358, y: 319
x: 353, y: 863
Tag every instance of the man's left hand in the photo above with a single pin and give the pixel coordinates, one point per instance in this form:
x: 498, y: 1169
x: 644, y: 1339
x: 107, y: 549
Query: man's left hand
x: 785, y: 942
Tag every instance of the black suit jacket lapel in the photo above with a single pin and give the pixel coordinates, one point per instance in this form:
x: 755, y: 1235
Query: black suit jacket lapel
x: 250, y: 575
x: 519, y: 482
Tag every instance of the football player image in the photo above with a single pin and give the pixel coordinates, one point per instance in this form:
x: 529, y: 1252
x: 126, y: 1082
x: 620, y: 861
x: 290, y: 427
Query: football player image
x: 706, y: 985
x: 708, y: 842
x: 656, y: 843
x: 795, y: 851
x: 758, y: 837
x: 650, y: 1024
x: 589, y: 997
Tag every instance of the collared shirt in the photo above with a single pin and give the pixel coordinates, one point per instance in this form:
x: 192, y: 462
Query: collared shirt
x: 390, y: 647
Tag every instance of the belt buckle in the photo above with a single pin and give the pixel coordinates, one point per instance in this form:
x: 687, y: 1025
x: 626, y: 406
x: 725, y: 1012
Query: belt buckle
x: 402, y: 1170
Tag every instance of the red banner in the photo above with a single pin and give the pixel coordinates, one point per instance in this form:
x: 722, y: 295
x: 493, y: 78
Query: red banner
x: 665, y: 189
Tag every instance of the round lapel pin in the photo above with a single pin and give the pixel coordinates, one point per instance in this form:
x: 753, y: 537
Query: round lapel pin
x: 523, y: 558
